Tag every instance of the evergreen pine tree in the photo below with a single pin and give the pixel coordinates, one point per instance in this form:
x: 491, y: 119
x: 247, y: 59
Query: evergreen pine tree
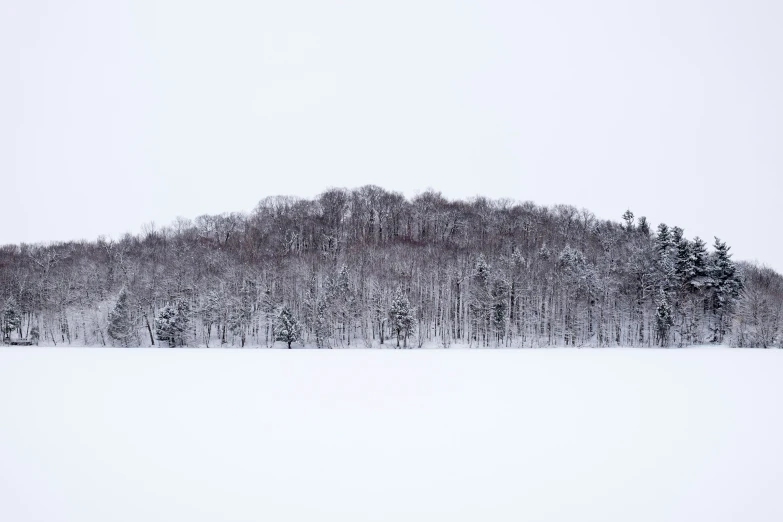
x: 401, y: 316
x: 164, y: 325
x: 726, y: 284
x: 11, y: 318
x: 628, y: 217
x: 665, y: 246
x: 644, y: 226
x: 700, y: 260
x: 677, y: 235
x: 481, y: 273
x: 481, y: 300
x: 287, y: 328
x: 663, y: 240
x: 684, y: 266
x: 724, y: 274
x: 171, y: 323
x: 120, y: 327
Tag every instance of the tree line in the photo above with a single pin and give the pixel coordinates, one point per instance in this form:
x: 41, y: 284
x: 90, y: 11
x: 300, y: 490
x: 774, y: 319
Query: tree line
x: 368, y: 267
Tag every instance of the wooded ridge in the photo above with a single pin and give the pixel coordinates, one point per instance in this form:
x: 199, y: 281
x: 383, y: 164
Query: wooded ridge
x: 367, y: 267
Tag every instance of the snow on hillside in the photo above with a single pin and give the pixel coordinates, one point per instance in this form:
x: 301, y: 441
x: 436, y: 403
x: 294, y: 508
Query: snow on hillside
x: 96, y: 435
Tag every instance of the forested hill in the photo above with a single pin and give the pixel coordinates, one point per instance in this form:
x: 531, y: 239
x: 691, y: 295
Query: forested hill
x: 367, y: 268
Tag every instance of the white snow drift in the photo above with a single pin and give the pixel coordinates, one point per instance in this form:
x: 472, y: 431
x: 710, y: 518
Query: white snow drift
x: 97, y: 435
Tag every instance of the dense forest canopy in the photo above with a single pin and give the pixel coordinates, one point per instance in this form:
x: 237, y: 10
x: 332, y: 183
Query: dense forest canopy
x: 367, y: 267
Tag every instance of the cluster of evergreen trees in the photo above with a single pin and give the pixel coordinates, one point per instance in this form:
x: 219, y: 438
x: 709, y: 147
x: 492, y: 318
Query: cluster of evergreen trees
x: 694, y: 286
x: 368, y: 267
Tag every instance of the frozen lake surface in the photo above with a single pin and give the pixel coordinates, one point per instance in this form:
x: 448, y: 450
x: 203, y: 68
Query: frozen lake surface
x: 609, y: 435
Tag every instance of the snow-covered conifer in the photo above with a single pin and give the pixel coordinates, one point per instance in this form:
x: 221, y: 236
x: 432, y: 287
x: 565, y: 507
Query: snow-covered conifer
x: 401, y: 316
x: 700, y: 262
x: 663, y: 240
x: 12, y: 317
x: 480, y: 305
x: 121, y: 328
x: 726, y: 284
x: 644, y: 226
x: 171, y: 323
x: 628, y: 218
x: 287, y: 328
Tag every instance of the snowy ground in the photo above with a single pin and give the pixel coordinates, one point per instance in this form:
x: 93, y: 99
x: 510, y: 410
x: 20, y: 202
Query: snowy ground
x: 98, y: 435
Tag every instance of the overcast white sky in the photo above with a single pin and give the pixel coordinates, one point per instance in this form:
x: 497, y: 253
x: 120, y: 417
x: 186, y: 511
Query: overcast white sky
x: 117, y: 113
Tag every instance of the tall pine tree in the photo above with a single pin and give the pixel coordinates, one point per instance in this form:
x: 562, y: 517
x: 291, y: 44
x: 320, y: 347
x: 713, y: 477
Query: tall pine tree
x: 11, y: 317
x: 726, y: 284
x: 287, y: 328
x: 121, y: 328
x: 401, y: 316
x: 171, y: 323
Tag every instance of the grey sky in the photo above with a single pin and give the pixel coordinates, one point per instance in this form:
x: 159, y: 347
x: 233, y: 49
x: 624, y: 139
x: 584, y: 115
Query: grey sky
x: 113, y: 114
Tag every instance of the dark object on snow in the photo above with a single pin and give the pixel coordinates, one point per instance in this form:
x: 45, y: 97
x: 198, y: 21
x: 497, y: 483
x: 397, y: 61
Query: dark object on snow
x: 17, y: 342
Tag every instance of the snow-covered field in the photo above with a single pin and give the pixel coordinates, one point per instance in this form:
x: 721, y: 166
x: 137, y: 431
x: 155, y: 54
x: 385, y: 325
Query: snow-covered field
x: 100, y: 435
